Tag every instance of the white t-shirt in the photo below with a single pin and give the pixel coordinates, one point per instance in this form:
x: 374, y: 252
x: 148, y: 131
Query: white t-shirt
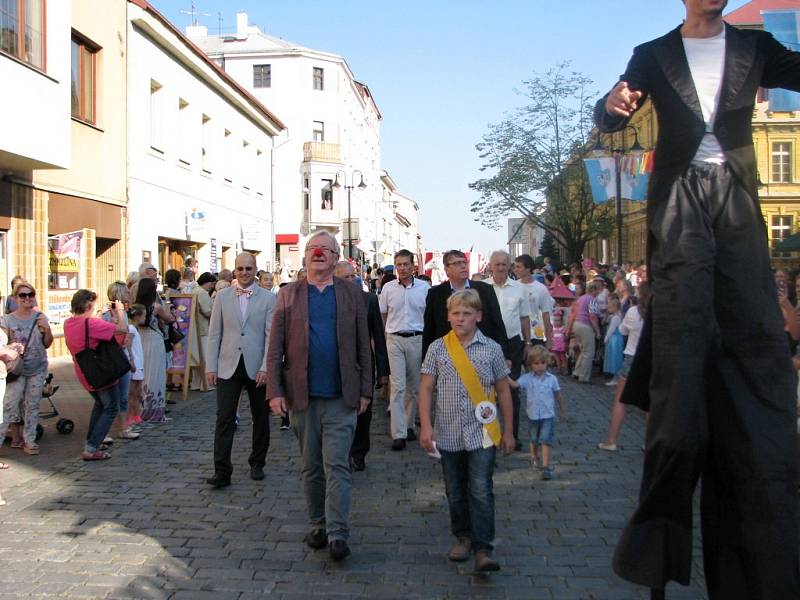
x: 706, y: 57
x: 137, y: 353
x: 632, y: 327
x: 541, y: 302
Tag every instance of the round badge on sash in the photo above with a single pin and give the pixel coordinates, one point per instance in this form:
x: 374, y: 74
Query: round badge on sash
x: 486, y: 412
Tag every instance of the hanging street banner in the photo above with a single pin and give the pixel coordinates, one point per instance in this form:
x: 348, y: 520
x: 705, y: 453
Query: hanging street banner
x: 634, y: 176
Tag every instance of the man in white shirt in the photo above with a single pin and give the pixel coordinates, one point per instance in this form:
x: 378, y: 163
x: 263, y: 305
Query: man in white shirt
x: 402, y: 304
x: 516, y: 311
x: 540, y: 300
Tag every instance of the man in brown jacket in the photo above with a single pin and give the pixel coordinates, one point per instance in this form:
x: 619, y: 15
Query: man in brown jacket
x: 320, y: 369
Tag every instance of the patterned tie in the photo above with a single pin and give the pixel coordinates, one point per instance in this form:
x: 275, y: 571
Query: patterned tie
x: 243, y: 292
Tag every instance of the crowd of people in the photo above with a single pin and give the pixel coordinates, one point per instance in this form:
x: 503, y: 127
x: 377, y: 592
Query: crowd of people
x: 318, y: 353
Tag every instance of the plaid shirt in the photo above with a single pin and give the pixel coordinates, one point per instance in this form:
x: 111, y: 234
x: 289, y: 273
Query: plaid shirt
x: 455, y: 425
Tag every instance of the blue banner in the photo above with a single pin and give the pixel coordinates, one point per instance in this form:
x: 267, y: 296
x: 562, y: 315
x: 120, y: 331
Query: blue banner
x: 634, y: 177
x: 785, y: 26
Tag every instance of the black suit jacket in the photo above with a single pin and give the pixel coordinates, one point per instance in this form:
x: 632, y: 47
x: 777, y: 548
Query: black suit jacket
x: 380, y: 357
x: 437, y: 325
x: 660, y: 70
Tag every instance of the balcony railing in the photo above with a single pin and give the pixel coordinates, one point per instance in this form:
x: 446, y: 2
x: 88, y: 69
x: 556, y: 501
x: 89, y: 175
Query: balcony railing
x: 322, y: 152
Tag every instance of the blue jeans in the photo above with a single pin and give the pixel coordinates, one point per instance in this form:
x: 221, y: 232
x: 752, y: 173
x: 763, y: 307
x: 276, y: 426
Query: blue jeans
x: 470, y: 494
x: 325, y: 431
x: 124, y: 385
x: 106, y: 407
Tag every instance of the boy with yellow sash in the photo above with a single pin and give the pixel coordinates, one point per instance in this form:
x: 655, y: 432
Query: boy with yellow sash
x: 470, y: 373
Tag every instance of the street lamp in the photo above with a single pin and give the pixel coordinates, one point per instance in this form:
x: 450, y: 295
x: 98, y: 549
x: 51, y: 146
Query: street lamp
x: 362, y: 186
x: 619, y: 153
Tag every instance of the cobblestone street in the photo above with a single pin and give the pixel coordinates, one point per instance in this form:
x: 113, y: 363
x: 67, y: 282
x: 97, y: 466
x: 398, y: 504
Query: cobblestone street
x: 145, y: 526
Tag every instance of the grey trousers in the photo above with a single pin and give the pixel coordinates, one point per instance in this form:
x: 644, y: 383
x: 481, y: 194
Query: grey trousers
x: 325, y: 432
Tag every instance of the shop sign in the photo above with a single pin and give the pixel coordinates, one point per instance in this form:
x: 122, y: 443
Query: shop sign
x: 197, y: 224
x: 64, y: 254
x: 212, y: 254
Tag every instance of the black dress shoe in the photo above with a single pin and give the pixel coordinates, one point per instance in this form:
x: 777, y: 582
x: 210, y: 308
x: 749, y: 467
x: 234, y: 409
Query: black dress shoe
x: 399, y: 444
x: 411, y: 436
x: 317, y: 539
x: 358, y: 463
x: 218, y: 481
x: 257, y: 473
x: 339, y: 550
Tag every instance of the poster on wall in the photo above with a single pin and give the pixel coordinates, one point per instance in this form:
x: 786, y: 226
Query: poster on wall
x: 58, y: 310
x: 64, y: 254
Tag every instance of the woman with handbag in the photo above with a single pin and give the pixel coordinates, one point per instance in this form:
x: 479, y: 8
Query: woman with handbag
x: 83, y: 331
x: 118, y: 292
x: 154, y: 385
x: 24, y: 390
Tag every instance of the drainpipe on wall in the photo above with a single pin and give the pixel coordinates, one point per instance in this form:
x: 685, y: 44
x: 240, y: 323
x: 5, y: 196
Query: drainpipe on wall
x: 272, y: 197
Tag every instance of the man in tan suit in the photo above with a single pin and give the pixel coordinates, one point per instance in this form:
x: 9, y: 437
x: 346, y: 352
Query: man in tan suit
x: 238, y: 336
x: 320, y: 369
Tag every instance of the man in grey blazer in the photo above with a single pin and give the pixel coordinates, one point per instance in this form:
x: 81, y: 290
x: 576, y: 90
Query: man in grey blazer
x: 238, y: 338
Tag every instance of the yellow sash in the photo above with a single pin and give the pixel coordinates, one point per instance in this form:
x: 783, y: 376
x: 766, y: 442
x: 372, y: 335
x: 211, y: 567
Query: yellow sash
x: 469, y: 377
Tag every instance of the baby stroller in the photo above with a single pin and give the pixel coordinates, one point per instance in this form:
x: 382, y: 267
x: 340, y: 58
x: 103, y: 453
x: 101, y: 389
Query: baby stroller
x: 63, y: 426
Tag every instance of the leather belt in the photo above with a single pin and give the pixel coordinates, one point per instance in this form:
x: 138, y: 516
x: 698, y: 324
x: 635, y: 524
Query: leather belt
x: 407, y: 333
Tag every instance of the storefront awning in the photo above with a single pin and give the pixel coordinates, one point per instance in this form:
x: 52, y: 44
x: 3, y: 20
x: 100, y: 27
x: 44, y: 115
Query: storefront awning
x: 70, y: 213
x: 287, y: 238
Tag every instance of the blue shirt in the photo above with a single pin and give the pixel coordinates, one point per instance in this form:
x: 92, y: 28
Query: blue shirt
x: 324, y: 378
x: 540, y: 395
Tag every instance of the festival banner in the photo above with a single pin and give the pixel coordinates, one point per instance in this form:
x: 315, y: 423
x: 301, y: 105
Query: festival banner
x: 785, y: 26
x: 635, y: 172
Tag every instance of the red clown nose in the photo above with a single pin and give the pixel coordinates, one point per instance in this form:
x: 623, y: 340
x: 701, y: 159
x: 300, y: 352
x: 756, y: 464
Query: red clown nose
x: 318, y: 252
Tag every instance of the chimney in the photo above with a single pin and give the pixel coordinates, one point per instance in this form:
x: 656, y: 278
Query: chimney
x: 194, y: 32
x: 241, y: 25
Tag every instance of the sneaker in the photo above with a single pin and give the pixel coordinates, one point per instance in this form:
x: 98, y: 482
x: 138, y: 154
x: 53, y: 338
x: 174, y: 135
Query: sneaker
x: 459, y: 552
x: 611, y: 382
x: 485, y: 563
x: 537, y: 464
x: 129, y: 434
x: 547, y: 473
x: 108, y: 440
x: 607, y: 447
x: 284, y: 428
x: 32, y: 449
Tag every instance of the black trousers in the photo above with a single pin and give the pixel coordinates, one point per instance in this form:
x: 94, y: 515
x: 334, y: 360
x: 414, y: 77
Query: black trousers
x: 516, y: 348
x: 228, y: 393
x: 722, y: 402
x: 360, y: 445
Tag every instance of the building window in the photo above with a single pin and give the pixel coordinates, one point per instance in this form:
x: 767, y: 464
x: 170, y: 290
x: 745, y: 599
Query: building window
x: 22, y: 30
x: 262, y: 76
x: 318, y: 135
x: 184, y: 133
x: 327, y: 194
x: 781, y: 162
x: 319, y: 78
x: 84, y: 68
x: 780, y: 229
x: 205, y: 150
x: 156, y: 116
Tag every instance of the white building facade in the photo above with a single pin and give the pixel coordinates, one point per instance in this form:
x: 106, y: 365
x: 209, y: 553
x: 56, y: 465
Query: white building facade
x: 327, y: 172
x: 200, y: 151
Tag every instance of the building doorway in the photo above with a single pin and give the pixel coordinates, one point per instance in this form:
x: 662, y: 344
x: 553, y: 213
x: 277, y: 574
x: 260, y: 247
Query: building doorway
x: 172, y: 253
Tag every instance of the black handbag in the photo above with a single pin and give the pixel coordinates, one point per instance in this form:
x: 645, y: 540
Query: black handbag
x: 174, y: 336
x: 103, y: 365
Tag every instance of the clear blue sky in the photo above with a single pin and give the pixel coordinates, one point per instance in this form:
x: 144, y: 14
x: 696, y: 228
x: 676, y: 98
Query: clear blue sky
x: 442, y: 70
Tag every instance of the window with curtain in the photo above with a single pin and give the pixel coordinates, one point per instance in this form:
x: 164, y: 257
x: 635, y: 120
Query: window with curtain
x: 84, y: 101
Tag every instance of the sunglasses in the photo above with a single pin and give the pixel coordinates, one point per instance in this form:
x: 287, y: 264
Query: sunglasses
x: 26, y: 295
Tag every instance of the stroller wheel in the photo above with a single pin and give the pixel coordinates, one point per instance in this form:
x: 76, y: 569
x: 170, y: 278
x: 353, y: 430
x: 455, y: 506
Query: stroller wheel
x: 39, y: 432
x: 65, y: 426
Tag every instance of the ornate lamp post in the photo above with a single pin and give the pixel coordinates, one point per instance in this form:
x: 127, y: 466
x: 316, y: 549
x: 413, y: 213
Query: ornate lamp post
x: 362, y: 186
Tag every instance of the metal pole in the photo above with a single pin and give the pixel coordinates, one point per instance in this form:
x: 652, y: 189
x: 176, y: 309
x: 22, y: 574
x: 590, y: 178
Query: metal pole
x: 618, y: 169
x: 349, y: 225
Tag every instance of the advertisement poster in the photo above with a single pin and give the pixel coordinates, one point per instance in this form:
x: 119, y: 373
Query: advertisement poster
x: 64, y: 254
x: 58, y: 310
x: 183, y: 309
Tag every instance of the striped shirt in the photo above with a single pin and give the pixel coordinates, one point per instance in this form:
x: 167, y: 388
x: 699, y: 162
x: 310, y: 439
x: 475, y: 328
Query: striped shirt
x: 455, y: 426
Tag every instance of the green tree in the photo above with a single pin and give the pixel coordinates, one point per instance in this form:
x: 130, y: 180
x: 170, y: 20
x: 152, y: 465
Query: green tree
x: 533, y: 159
x: 548, y: 248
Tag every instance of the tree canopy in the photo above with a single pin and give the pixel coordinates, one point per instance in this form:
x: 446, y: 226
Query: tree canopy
x: 533, y: 162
